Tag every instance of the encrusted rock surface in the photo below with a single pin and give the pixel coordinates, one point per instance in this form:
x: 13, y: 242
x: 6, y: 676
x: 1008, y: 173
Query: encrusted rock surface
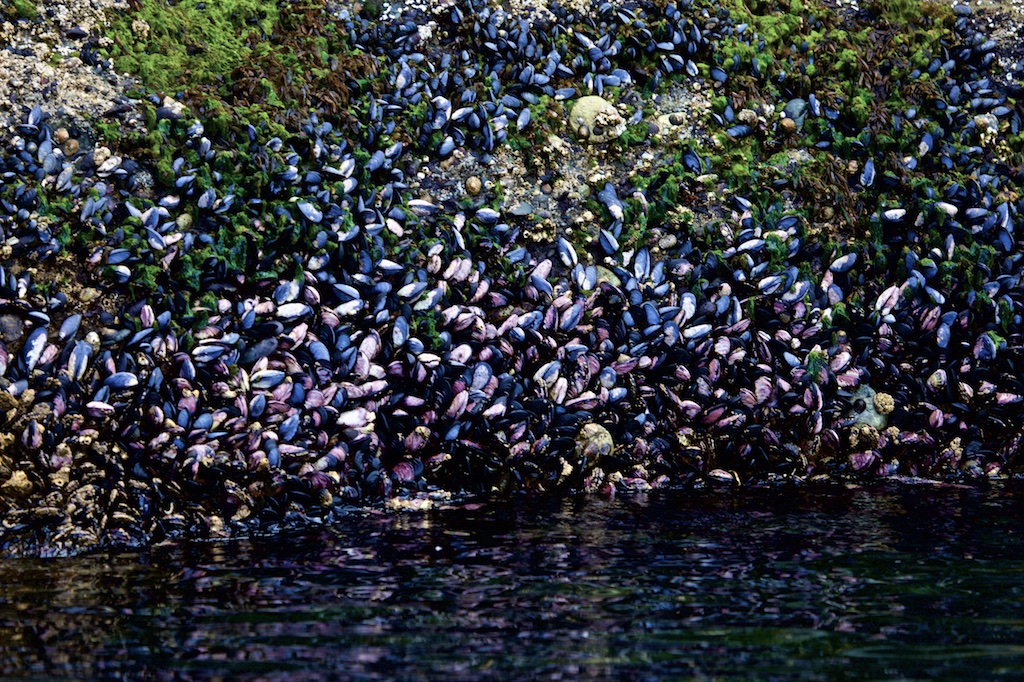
x: 42, y: 62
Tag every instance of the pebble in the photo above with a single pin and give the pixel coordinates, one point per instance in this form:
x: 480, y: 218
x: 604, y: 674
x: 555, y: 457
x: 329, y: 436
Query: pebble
x: 11, y: 328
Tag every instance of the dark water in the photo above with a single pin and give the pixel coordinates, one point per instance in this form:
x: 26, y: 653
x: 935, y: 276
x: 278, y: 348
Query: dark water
x: 905, y: 581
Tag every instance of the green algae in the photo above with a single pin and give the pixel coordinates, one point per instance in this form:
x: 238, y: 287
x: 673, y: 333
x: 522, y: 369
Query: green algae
x: 18, y: 9
x: 246, y: 61
x: 896, y: 11
x: 862, y: 69
x: 188, y: 43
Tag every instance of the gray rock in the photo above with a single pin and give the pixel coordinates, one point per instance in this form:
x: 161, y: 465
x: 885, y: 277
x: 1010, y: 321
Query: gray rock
x: 595, y: 120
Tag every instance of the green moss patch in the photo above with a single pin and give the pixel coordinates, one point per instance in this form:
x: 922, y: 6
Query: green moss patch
x: 18, y: 9
x: 273, y: 64
x: 189, y: 43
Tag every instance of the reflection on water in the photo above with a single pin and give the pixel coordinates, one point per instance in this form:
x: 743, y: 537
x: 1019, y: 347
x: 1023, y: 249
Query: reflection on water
x: 895, y: 581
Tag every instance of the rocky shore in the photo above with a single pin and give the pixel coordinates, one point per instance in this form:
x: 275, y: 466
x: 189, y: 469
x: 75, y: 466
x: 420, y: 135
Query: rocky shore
x: 265, y: 262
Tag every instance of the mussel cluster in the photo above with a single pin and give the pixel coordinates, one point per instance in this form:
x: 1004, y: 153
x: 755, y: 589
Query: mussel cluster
x: 290, y: 326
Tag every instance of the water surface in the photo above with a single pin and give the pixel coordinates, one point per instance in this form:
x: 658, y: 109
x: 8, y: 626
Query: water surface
x: 905, y: 581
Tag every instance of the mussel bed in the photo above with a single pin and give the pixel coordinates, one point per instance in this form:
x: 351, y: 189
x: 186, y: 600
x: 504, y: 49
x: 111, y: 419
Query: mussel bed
x: 210, y: 325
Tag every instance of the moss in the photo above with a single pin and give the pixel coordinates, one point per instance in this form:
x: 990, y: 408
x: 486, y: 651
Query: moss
x: 634, y: 224
x: 64, y: 234
x: 855, y: 65
x: 189, y: 270
x: 425, y: 326
x: 1005, y: 314
x: 272, y: 100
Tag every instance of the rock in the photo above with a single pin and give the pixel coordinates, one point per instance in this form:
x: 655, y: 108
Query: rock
x: 593, y: 482
x: 173, y: 108
x: 595, y: 120
x: 9, y: 407
x: 864, y: 437
x: 140, y: 28
x: 667, y: 122
x: 11, y: 328
x: 987, y: 126
x: 864, y: 408
x: 89, y: 294
x: 414, y: 504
